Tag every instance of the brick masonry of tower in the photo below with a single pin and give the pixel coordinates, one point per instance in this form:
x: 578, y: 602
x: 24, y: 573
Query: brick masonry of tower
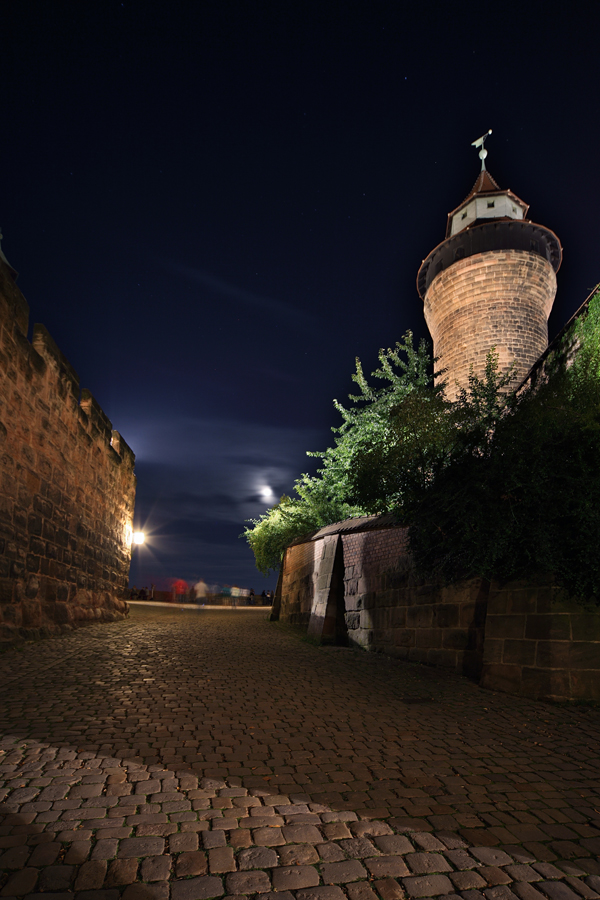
x: 67, y: 489
x: 498, y: 299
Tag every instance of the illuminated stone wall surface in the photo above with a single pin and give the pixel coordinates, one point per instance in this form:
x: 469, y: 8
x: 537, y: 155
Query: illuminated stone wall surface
x: 540, y: 643
x: 298, y: 583
x: 355, y: 586
x: 67, y: 488
x: 375, y: 601
x: 391, y: 610
x: 498, y: 299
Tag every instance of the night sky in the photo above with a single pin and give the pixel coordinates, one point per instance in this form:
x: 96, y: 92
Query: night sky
x: 214, y: 207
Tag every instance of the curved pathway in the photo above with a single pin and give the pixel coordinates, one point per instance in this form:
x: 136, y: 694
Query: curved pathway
x: 191, y: 754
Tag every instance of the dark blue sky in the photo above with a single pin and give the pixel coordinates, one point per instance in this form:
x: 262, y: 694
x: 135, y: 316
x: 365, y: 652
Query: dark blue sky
x: 215, y: 206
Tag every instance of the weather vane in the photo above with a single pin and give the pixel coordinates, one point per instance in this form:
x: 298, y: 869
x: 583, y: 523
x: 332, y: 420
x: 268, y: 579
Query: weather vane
x: 480, y: 142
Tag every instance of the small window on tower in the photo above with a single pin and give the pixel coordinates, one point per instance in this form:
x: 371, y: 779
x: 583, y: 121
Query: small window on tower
x: 491, y: 204
x: 514, y: 209
x: 533, y: 245
x: 464, y: 215
x: 459, y: 253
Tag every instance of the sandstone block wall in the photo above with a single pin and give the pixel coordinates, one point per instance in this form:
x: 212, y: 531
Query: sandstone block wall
x: 67, y: 488
x: 327, y: 610
x: 501, y: 298
x: 366, y: 580
x: 540, y: 644
x: 520, y: 638
x: 298, y: 583
x: 391, y: 611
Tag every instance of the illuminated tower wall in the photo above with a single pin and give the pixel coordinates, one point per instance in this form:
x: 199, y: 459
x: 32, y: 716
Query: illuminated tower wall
x: 490, y: 283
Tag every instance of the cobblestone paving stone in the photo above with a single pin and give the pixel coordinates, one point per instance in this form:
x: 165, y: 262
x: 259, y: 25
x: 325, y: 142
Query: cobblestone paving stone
x: 190, y: 755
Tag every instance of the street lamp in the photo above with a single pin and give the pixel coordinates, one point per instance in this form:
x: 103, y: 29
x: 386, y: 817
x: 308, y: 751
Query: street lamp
x: 138, y: 537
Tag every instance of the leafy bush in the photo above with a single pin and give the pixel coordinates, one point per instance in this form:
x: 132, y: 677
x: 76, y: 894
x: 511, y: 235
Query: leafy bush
x: 523, y: 497
x: 289, y: 519
x: 367, y: 427
x: 497, y: 484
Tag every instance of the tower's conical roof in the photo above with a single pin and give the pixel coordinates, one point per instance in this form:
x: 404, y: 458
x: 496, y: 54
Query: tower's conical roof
x: 484, y: 184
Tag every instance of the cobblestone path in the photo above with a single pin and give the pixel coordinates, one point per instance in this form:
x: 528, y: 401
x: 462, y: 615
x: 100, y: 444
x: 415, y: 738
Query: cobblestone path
x: 186, y: 755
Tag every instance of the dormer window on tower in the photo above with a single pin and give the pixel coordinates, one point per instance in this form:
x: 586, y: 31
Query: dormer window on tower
x: 490, y: 283
x: 502, y: 205
x: 489, y: 218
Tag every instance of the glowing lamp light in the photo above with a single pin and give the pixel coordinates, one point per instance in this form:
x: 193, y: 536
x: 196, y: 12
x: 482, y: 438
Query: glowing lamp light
x: 138, y: 537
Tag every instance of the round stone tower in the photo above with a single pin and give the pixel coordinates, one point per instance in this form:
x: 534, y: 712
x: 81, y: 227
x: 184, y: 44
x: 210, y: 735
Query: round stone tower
x: 490, y: 283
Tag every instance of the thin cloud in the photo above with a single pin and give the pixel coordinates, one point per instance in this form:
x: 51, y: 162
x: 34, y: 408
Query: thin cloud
x: 206, y: 442
x: 216, y: 469
x: 220, y: 286
x: 199, y: 481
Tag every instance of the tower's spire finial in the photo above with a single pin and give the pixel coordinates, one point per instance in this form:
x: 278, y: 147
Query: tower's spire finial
x: 480, y: 142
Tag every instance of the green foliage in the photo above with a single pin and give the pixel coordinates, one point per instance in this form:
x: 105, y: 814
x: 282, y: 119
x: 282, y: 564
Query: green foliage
x: 289, y: 519
x: 367, y: 427
x: 417, y: 435
x: 425, y: 434
x: 275, y: 530
x: 495, y: 484
x: 481, y: 405
x: 523, y: 498
x: 585, y: 369
x: 355, y: 469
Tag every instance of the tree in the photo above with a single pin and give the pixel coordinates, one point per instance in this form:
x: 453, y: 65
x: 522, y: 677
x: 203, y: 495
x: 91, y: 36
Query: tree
x: 520, y: 495
x: 367, y: 429
x: 497, y: 484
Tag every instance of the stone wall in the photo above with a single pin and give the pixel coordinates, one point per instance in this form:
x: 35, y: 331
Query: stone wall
x: 327, y: 615
x: 392, y: 611
x: 359, y: 587
x: 500, y: 299
x: 297, y: 583
x: 541, y: 644
x: 67, y: 488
